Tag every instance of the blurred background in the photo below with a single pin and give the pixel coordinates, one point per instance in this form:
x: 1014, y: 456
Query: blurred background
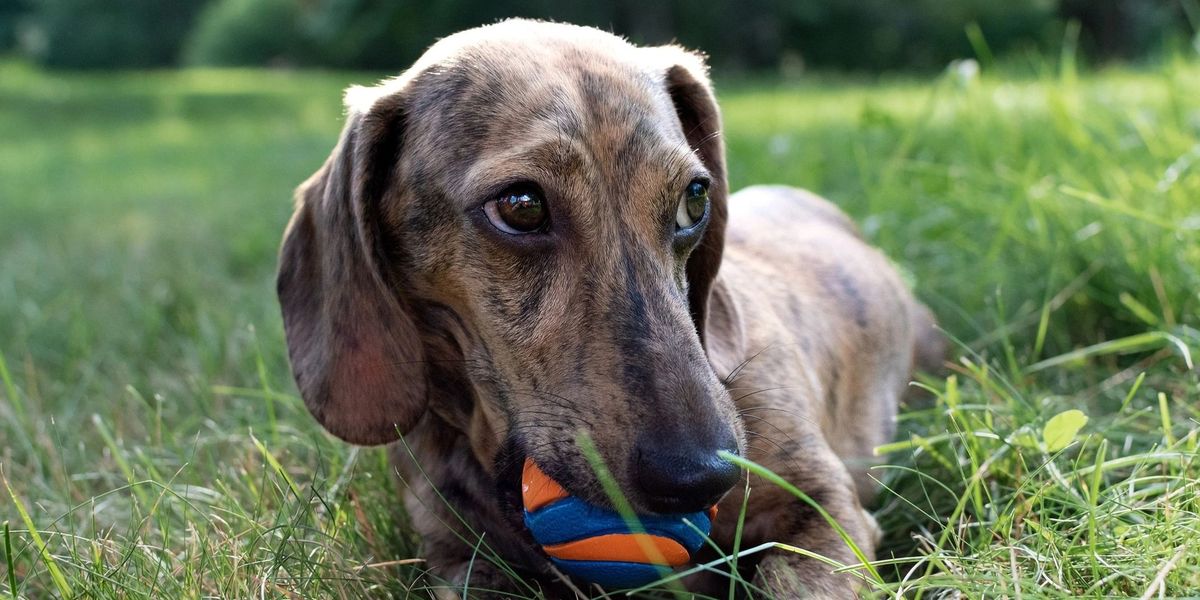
x: 741, y: 35
x: 1033, y: 167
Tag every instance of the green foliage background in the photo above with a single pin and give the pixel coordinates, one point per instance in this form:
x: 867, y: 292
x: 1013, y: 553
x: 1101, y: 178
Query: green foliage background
x: 752, y: 35
x: 151, y: 441
x: 151, y: 438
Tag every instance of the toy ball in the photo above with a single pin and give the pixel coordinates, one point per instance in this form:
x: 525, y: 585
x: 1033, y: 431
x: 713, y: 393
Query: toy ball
x: 596, y: 544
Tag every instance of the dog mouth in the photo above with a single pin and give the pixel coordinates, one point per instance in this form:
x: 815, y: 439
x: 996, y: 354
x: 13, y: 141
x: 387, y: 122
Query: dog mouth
x: 526, y: 485
x: 601, y: 545
x: 587, y: 541
x: 512, y: 465
x: 509, y: 465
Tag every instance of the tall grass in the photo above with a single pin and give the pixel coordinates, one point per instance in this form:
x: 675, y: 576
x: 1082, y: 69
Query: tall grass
x: 152, y: 445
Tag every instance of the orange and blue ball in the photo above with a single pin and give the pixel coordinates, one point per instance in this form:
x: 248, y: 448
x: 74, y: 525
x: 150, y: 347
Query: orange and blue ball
x: 596, y: 544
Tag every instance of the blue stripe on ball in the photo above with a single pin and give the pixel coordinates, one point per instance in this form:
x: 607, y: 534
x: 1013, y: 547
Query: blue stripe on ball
x: 571, y: 519
x: 612, y: 575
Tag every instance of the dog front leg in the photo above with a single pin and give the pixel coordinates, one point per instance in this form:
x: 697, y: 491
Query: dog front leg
x: 482, y: 579
x: 775, y: 515
x: 467, y: 539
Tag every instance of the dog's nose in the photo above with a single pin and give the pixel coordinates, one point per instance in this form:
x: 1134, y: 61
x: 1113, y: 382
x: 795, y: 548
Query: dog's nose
x: 678, y: 474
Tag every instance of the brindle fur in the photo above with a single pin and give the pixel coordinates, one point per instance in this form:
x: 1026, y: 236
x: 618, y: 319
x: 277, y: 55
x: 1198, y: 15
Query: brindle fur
x: 406, y: 313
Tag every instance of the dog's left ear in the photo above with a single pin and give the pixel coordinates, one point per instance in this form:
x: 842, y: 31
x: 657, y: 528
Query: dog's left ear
x: 688, y: 86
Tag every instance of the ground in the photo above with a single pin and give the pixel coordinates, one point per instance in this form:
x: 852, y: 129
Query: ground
x: 151, y: 435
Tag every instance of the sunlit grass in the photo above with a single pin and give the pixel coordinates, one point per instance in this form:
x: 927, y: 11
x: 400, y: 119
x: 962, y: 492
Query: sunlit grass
x: 150, y: 432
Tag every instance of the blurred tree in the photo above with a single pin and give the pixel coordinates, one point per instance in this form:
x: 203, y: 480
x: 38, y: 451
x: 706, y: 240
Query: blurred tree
x: 371, y: 34
x: 1124, y: 28
x: 11, y: 12
x: 99, y: 33
x: 867, y: 35
x: 881, y: 34
x: 247, y: 32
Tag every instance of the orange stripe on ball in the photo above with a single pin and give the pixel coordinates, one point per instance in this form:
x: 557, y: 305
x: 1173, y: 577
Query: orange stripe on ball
x: 623, y: 547
x: 537, y: 489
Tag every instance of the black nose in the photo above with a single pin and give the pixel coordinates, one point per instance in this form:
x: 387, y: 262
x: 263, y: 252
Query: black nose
x: 677, y: 474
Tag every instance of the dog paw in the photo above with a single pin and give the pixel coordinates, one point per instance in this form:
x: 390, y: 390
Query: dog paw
x: 873, y: 528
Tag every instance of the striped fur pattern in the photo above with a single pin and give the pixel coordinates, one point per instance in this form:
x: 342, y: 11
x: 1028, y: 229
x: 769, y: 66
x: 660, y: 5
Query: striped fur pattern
x: 411, y: 321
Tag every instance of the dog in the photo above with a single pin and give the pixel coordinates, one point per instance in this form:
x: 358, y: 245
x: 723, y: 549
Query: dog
x: 528, y: 235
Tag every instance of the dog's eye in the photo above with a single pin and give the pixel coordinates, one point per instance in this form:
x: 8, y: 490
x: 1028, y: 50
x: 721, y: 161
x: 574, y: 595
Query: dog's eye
x: 517, y: 210
x: 692, y: 205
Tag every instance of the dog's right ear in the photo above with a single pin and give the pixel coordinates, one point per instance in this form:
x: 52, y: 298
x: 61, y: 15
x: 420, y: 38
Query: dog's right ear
x: 355, y: 352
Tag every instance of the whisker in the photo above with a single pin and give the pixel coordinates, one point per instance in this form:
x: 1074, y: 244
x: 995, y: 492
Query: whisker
x: 737, y: 371
x: 759, y: 391
x: 772, y: 425
x: 787, y: 411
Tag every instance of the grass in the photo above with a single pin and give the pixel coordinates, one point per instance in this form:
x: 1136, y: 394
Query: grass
x: 152, y: 445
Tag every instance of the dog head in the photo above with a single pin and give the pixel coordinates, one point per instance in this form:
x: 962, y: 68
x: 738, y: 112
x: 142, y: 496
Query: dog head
x: 520, y: 235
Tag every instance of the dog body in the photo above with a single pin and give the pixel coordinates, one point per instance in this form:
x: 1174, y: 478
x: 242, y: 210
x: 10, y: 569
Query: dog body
x: 812, y: 330
x: 414, y: 306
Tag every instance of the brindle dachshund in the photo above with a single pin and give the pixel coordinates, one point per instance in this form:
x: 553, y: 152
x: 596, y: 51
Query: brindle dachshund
x: 528, y: 234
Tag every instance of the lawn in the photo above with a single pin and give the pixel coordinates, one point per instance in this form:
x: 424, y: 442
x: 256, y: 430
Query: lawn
x: 152, y: 438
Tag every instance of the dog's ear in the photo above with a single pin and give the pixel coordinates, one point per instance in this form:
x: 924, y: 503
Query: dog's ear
x: 355, y: 351
x: 688, y: 86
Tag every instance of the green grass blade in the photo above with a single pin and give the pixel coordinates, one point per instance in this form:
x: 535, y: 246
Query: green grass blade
x: 56, y: 574
x: 770, y: 476
x: 620, y: 503
x: 10, y: 561
x: 277, y: 467
x: 1141, y: 342
x: 10, y: 390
